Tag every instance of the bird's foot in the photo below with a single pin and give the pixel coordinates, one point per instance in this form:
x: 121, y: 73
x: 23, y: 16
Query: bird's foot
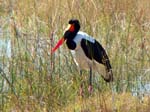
x: 90, y: 89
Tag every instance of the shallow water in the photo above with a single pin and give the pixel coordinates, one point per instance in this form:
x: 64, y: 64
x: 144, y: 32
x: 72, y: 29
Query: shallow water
x: 141, y: 89
x: 5, y: 47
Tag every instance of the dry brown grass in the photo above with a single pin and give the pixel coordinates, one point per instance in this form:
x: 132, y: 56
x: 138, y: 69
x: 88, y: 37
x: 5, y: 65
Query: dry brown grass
x: 102, y: 102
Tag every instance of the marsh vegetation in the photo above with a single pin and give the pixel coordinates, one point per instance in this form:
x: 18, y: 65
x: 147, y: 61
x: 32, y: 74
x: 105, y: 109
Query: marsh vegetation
x: 31, y: 79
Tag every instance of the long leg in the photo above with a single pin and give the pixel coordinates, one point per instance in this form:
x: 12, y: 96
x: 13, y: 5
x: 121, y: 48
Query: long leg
x: 90, y: 81
x: 81, y: 85
x: 90, y: 76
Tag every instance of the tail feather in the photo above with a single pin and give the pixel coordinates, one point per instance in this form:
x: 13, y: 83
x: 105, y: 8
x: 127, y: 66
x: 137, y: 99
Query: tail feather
x: 109, y: 73
x: 108, y: 77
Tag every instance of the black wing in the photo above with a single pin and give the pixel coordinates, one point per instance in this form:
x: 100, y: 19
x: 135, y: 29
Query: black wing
x: 97, y: 52
x: 94, y: 51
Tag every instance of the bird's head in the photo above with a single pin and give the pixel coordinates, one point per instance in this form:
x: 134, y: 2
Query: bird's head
x: 74, y: 25
x: 70, y: 32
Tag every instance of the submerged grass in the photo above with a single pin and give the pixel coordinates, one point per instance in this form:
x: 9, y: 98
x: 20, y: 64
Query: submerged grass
x: 34, y: 80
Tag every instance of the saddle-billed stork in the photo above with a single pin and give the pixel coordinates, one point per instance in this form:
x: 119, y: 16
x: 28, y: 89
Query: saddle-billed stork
x: 88, y: 53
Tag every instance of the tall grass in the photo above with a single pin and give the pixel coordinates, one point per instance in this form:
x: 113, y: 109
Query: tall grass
x: 34, y: 80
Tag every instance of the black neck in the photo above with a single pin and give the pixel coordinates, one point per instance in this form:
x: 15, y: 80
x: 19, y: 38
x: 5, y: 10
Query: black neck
x: 69, y: 35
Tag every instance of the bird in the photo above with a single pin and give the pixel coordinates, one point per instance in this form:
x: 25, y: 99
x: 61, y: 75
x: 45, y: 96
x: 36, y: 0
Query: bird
x: 88, y: 53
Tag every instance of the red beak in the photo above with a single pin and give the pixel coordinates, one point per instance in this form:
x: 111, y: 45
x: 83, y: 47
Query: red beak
x: 59, y: 43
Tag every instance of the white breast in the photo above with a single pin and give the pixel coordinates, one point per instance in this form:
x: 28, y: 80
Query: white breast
x: 79, y: 56
x: 80, y: 59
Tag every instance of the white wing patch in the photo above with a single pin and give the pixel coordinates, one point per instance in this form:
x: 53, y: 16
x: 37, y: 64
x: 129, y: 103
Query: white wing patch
x: 82, y: 35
